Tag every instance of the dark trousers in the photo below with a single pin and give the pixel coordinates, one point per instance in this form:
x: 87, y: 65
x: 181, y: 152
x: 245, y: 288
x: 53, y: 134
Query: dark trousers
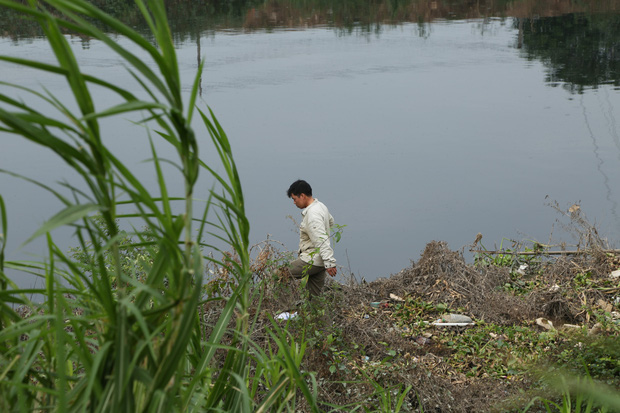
x: 316, y: 275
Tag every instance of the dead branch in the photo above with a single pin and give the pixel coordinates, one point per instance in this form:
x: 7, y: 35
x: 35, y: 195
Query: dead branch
x: 577, y: 252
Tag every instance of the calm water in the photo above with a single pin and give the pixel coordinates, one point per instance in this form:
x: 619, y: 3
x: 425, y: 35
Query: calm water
x: 410, y: 133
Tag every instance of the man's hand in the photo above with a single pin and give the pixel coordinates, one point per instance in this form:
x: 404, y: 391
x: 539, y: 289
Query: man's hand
x: 332, y: 271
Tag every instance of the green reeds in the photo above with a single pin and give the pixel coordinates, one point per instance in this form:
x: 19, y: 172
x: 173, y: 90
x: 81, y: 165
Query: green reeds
x: 101, y: 339
x: 578, y: 395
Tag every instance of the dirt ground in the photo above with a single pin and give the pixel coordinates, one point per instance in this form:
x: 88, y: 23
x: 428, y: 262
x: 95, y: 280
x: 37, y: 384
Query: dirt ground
x: 362, y: 332
x: 532, y: 306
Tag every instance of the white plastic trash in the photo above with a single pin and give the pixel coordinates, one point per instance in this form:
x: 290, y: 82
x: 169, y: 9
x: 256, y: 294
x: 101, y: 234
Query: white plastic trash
x: 437, y: 323
x: 522, y: 269
x: 286, y: 315
x: 455, y: 318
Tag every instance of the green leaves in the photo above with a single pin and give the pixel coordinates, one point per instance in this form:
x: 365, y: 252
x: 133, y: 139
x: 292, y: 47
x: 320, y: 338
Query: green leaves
x: 117, y: 327
x: 123, y: 343
x: 65, y: 217
x: 3, y: 230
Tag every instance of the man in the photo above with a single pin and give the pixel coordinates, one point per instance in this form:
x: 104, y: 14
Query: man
x: 316, y: 257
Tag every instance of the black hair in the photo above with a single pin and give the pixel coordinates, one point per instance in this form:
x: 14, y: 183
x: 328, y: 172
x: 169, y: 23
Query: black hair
x: 299, y: 187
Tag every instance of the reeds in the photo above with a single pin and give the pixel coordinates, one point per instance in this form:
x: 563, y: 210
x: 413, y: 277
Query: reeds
x: 102, y: 339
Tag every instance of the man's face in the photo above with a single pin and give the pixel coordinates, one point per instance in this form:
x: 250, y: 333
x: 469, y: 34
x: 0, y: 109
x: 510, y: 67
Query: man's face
x: 300, y: 201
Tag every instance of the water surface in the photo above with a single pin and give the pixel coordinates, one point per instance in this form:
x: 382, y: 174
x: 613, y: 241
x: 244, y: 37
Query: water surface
x: 408, y: 132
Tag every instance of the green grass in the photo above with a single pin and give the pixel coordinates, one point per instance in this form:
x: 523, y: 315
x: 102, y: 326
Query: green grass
x: 121, y: 327
x: 118, y: 327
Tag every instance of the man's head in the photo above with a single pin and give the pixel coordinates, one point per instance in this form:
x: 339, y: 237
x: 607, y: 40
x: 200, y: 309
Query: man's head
x: 301, y: 193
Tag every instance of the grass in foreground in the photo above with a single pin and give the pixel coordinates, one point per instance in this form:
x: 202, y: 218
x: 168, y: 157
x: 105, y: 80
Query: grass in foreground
x: 128, y: 326
x: 119, y: 329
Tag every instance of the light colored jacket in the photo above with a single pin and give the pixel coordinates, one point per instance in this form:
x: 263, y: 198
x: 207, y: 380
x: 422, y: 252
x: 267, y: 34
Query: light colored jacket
x: 314, y: 245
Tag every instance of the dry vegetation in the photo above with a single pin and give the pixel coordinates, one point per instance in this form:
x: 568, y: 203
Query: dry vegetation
x: 363, y: 334
x: 536, y: 312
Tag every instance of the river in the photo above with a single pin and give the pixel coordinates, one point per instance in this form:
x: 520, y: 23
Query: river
x: 409, y: 131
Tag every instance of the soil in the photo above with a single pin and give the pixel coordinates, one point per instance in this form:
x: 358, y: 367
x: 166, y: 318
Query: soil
x: 383, y: 343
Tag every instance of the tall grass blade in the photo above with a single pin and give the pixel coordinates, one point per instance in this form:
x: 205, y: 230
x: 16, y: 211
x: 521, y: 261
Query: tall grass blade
x: 119, y: 327
x: 67, y: 216
x: 3, y: 232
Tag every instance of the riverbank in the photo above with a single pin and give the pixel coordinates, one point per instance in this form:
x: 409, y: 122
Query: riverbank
x: 524, y: 323
x: 533, y: 316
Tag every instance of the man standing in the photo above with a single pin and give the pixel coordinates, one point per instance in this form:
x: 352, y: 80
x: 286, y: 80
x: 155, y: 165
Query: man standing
x: 316, y: 257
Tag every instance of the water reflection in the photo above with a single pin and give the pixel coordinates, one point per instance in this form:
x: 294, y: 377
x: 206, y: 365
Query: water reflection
x: 599, y: 162
x: 579, y: 42
x: 579, y: 50
x: 438, y: 128
x: 190, y: 17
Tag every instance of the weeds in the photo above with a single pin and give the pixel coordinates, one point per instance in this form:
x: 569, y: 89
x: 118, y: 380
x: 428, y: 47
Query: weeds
x: 128, y: 323
x: 118, y: 328
x: 577, y: 395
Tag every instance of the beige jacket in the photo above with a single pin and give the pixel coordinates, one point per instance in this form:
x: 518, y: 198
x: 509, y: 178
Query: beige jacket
x: 314, y: 245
